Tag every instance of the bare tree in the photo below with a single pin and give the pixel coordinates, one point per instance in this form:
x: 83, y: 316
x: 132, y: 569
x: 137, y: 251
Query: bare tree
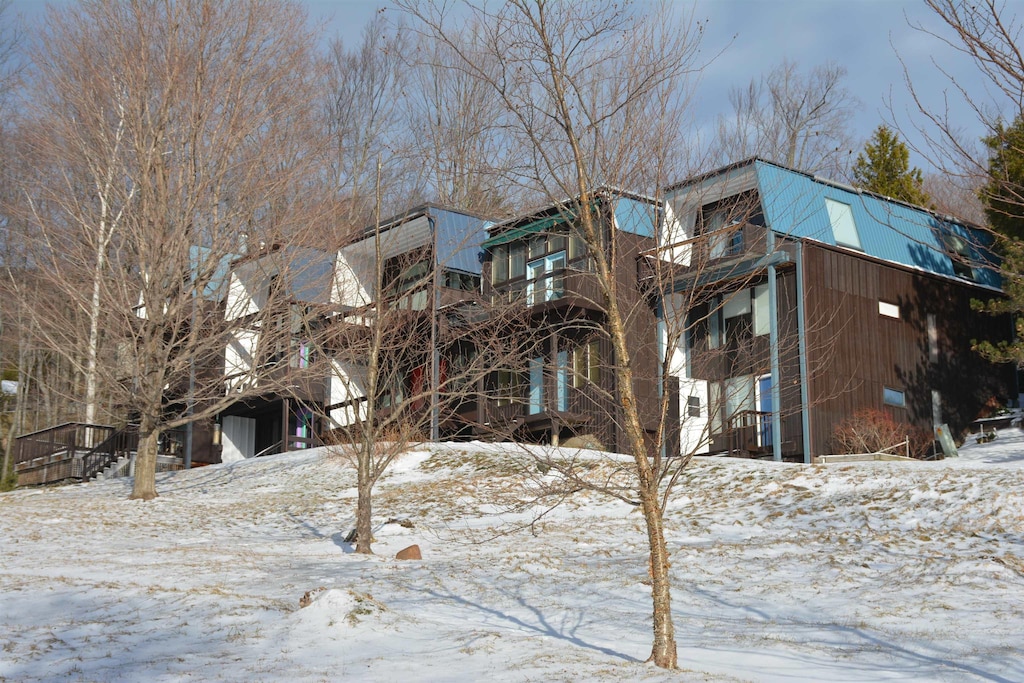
x: 795, y: 119
x: 10, y: 329
x: 180, y: 146
x: 411, y: 343
x: 989, y: 37
x: 457, y: 128
x: 593, y: 94
x: 363, y: 110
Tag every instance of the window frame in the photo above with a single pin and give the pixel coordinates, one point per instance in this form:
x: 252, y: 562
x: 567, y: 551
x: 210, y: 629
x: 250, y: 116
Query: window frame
x: 893, y: 397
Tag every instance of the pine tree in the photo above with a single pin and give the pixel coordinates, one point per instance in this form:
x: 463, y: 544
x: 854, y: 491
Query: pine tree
x: 884, y: 168
x: 1003, y: 197
x: 1003, y: 194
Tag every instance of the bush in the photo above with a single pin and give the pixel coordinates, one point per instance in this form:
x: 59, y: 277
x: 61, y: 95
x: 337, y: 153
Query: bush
x: 874, y: 431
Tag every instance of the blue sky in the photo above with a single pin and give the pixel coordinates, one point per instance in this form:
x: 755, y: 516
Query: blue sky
x: 747, y: 37
x: 754, y: 35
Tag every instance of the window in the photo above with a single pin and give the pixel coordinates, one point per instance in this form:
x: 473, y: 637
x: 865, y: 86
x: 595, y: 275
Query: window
x: 736, y: 312
x: 586, y: 364
x: 403, y: 277
x: 894, y: 397
x: 456, y: 375
x: 466, y: 282
x: 763, y: 389
x: 517, y: 260
x: 545, y: 279
x: 959, y: 252
x: 538, y: 246
x: 888, y: 310
x: 562, y: 380
x: 536, y: 404
x: 499, y: 265
x: 844, y: 228
x: 693, y: 406
x: 726, y: 232
x: 933, y: 338
x: 577, y: 246
x: 508, y: 383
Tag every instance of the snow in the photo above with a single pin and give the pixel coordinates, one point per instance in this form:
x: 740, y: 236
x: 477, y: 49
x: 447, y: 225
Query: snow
x: 868, y: 571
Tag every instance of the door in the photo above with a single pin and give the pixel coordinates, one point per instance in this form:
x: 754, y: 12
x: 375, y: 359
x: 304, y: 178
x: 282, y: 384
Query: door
x: 764, y: 407
x: 562, y: 380
x: 536, y: 385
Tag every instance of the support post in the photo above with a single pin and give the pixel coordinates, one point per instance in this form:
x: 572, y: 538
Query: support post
x: 435, y: 359
x: 801, y: 324
x: 285, y: 414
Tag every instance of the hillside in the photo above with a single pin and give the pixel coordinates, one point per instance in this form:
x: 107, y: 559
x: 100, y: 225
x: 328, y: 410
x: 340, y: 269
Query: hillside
x: 857, y: 572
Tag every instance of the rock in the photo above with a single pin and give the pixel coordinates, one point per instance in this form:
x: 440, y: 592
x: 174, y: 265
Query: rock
x: 588, y: 441
x: 410, y: 553
x: 307, y: 599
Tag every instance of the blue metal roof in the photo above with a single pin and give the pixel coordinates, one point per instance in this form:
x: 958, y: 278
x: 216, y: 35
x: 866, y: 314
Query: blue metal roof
x: 459, y: 239
x: 637, y: 217
x: 794, y: 204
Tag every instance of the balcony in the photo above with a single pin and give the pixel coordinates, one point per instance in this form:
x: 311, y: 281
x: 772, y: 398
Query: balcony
x: 564, y: 290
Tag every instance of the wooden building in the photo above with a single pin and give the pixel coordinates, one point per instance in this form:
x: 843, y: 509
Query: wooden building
x: 561, y: 383
x: 807, y: 301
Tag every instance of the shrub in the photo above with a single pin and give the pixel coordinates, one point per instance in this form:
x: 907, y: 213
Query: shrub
x: 874, y: 431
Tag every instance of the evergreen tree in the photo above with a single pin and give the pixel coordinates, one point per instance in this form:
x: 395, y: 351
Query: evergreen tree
x: 884, y: 168
x: 1003, y: 197
x: 1003, y: 194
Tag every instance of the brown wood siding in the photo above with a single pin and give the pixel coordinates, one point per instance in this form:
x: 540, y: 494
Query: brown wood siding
x: 854, y: 351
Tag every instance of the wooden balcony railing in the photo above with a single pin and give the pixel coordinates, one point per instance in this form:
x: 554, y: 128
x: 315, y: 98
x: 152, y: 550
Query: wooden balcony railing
x: 750, y: 431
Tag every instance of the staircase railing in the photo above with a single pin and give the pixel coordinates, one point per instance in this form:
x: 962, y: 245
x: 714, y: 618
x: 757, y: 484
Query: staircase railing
x: 69, y: 438
x: 80, y: 451
x: 123, y: 442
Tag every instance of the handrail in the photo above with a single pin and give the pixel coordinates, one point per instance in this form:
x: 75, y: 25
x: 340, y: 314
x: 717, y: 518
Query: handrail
x: 123, y: 441
x: 70, y: 437
x: 269, y: 449
x: 61, y: 426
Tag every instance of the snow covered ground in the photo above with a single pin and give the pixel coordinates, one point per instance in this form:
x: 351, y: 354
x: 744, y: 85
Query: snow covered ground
x: 853, y: 572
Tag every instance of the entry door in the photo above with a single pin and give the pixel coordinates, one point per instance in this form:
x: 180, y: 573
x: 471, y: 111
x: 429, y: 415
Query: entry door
x: 536, y: 385
x: 764, y: 406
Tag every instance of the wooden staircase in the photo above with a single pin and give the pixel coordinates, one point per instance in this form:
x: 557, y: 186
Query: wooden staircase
x: 76, y: 451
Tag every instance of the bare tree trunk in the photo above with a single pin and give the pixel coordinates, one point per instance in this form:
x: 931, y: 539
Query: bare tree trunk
x: 587, y: 89
x: 144, y: 487
x: 364, y: 503
x: 663, y: 649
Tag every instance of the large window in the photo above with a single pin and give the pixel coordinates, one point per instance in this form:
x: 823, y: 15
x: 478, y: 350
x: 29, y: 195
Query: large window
x: 519, y: 259
x: 406, y: 282
x: 844, y: 228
